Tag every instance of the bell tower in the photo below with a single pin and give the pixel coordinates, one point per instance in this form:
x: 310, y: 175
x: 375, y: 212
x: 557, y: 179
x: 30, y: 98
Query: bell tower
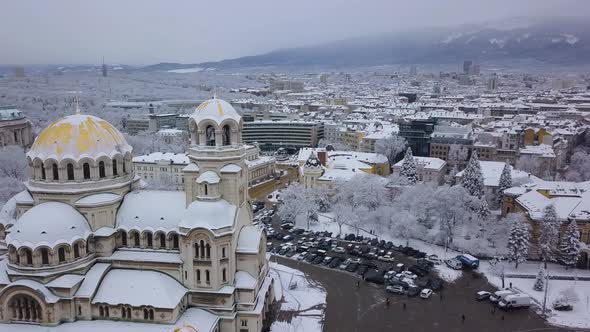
x: 217, y: 169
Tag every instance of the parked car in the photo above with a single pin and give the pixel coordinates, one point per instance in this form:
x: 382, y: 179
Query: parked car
x: 399, y: 267
x: 454, y: 263
x: 374, y: 277
x: 395, y: 289
x: 302, y: 255
x: 515, y: 301
x: 290, y: 252
x: 310, y: 257
x: 562, y: 306
x: 362, y: 269
x: 352, y: 267
x: 327, y: 260
x: 407, y: 274
x: 338, y: 250
x: 317, y: 260
x: 344, y: 264
x: 469, y: 261
x: 426, y: 293
x: 413, y: 291
x: 436, y: 284
x: 482, y: 295
x: 433, y: 259
x: 335, y: 262
x: 287, y: 226
x: 500, y: 295
x: 415, y: 269
x: 287, y: 237
x: 388, y: 257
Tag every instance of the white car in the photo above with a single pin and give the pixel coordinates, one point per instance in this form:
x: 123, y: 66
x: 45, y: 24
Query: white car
x: 434, y: 259
x: 426, y: 293
x: 339, y: 250
x: 387, y: 257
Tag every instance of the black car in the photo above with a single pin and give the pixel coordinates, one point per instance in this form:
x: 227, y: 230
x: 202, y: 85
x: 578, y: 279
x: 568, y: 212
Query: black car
x: 317, y: 260
x: 395, y: 282
x: 423, y: 282
x: 436, y: 284
x: 335, y: 262
x: 374, y: 242
x: 419, y: 254
x: 309, y: 258
x: 413, y: 291
x: 388, y: 245
x: 415, y: 269
x: 362, y: 270
x: 349, y: 237
x: 352, y: 267
x: 287, y: 226
x: 375, y: 277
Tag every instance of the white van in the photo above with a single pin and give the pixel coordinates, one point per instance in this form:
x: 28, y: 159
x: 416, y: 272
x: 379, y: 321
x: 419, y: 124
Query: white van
x: 515, y: 301
x: 500, y: 295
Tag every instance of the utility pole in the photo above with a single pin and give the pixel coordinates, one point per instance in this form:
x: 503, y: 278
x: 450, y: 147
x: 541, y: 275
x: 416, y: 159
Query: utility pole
x: 545, y: 296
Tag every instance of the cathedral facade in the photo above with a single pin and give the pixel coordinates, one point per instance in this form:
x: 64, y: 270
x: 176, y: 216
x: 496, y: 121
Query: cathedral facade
x: 90, y: 243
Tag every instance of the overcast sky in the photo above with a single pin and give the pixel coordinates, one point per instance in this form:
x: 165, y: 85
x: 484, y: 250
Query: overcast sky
x: 189, y: 31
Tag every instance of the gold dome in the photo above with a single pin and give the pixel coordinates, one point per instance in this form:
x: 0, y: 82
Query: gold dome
x: 79, y: 136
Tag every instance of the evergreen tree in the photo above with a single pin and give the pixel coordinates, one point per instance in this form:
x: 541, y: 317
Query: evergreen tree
x: 569, y: 250
x: 408, y: 169
x: 505, y: 182
x: 549, y: 234
x: 472, y: 179
x: 540, y: 280
x: 518, y: 239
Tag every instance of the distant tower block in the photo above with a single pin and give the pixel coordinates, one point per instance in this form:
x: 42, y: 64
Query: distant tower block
x: 104, y: 69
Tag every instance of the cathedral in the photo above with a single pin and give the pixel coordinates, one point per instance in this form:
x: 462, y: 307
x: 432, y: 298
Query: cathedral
x: 89, y: 241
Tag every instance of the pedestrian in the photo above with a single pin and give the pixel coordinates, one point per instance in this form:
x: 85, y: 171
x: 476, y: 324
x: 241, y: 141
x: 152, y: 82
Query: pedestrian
x: 510, y: 285
x: 358, y: 284
x: 404, y: 305
x: 441, y: 297
x: 463, y: 318
x: 387, y: 302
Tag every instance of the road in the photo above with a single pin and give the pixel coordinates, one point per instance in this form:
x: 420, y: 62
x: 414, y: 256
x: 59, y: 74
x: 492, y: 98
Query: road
x: 365, y: 309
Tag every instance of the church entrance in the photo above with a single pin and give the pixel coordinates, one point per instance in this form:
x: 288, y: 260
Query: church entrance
x: 25, y: 308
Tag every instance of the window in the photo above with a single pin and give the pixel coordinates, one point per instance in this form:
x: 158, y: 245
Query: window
x: 70, y: 169
x: 207, y: 276
x: 208, y: 247
x: 44, y: 256
x: 115, y: 173
x: 226, y: 135
x: 124, y: 170
x: 196, y: 250
x: 43, y: 177
x: 124, y: 238
x: 198, y: 276
x: 55, y: 172
x: 29, y: 256
x: 224, y: 275
x: 175, y: 241
x: 210, y: 135
x: 162, y: 241
x: 244, y: 322
x: 206, y: 190
x: 223, y: 252
x: 149, y: 239
x: 202, y: 251
x: 101, y: 170
x: 136, y: 239
x: 86, y: 171
x: 61, y: 253
x: 76, y: 250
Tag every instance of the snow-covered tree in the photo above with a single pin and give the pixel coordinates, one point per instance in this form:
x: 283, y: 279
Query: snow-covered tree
x: 472, y: 179
x: 457, y: 155
x: 540, y: 280
x: 482, y: 213
x: 298, y: 203
x: 505, y: 183
x: 391, y: 147
x: 408, y: 169
x: 450, y: 210
x: 451, y: 179
x: 569, y: 248
x: 578, y: 169
x: 518, y: 239
x: 549, y: 236
x: 13, y: 171
x: 498, y: 268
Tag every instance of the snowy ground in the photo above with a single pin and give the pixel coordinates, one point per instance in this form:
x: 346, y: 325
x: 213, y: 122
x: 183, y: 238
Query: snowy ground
x: 302, y: 301
x: 579, y: 317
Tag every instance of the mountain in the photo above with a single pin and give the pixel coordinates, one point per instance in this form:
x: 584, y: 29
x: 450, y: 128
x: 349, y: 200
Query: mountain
x: 558, y: 41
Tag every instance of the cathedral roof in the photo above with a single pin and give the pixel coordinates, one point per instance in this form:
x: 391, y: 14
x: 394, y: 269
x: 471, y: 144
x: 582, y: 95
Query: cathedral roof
x: 78, y: 136
x: 217, y: 110
x: 313, y: 161
x: 48, y: 223
x: 209, y: 214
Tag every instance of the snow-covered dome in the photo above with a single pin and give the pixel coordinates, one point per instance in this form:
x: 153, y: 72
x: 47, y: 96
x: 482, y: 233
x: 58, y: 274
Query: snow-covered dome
x: 49, y: 224
x: 79, y: 136
x: 217, y: 110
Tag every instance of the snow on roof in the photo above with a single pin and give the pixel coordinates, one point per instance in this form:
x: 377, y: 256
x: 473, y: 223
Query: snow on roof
x: 230, y: 168
x: 245, y: 280
x: 39, y: 288
x: 425, y: 162
x: 171, y: 158
x: 146, y: 256
x: 79, y: 136
x: 541, y: 149
x: 24, y: 197
x: 249, y: 239
x: 8, y: 212
x: 96, y: 199
x: 535, y: 203
x: 151, y: 210
x: 4, y: 280
x: 139, y: 288
x: 217, y: 110
x: 209, y: 177
x: 193, y: 319
x: 48, y: 223
x: 208, y: 214
x: 65, y: 281
x: 492, y: 171
x: 92, y: 279
x: 192, y: 167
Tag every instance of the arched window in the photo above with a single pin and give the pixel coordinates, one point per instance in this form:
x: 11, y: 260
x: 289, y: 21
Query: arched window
x: 115, y: 173
x: 199, y: 276
x: 224, y: 275
x: 124, y: 167
x: 207, y: 276
x: 175, y: 241
x: 86, y: 171
x: 29, y: 256
x: 76, y: 250
x: 55, y: 172
x: 44, y: 256
x: 196, y: 250
x: 61, y: 253
x: 124, y: 238
x: 151, y: 314
x: 43, y: 177
x: 149, y: 239
x: 123, y: 313
x: 24, y: 307
x: 70, y: 169
x: 106, y: 311
x: 101, y: 170
x: 100, y: 311
x: 128, y: 312
x: 162, y: 241
x: 202, y: 250
x: 136, y: 239
x: 206, y: 190
x: 208, y: 247
x: 226, y: 135
x: 210, y: 135
x: 223, y: 252
x: 145, y: 314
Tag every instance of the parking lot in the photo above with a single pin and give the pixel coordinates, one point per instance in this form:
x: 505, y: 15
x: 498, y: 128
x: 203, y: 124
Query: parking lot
x: 369, y: 307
